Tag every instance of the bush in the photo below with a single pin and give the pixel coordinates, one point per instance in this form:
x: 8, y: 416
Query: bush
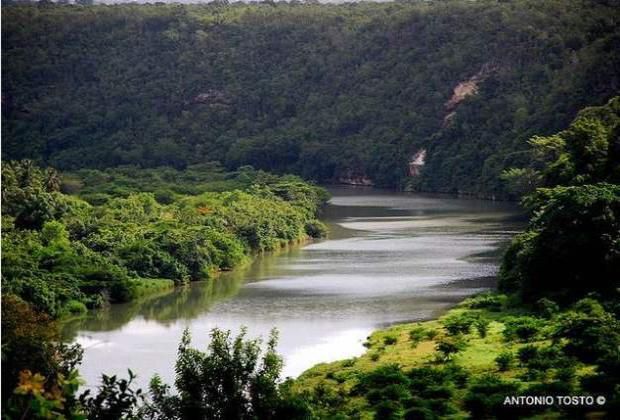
x: 417, y: 334
x: 458, y: 324
x: 523, y: 328
x: 504, y: 361
x: 390, y: 340
x: 589, y: 337
x: 482, y: 326
x: 447, y: 348
x: 316, y: 229
x: 490, y: 301
x: 527, y: 353
x: 547, y: 308
x: 485, y: 398
x: 74, y: 307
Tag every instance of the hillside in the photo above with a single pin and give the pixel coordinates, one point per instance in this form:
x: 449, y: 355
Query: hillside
x: 349, y: 93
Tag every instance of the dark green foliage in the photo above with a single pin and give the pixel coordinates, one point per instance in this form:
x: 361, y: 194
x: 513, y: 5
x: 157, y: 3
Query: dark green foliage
x: 485, y: 398
x: 547, y: 308
x: 527, y: 353
x: 490, y: 301
x: 523, y: 328
x: 420, y: 393
x: 390, y: 340
x: 417, y: 334
x: 572, y: 245
x: 346, y: 91
x: 115, y: 399
x: 233, y: 379
x: 448, y: 347
x: 482, y: 326
x: 460, y: 324
x: 109, y: 250
x: 504, y: 361
x: 591, y: 333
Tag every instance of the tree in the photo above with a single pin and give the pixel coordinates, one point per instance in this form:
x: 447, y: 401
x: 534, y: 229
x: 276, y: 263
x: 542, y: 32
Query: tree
x: 571, y: 247
x: 234, y: 379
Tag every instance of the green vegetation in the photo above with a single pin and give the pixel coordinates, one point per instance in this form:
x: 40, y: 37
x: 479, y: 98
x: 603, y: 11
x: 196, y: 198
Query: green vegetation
x: 572, y: 244
x: 466, y: 374
x: 557, y: 333
x: 330, y: 92
x: 235, y: 378
x: 63, y: 255
x: 325, y: 91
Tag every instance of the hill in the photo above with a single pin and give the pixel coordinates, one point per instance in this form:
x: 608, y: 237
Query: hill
x: 436, y: 96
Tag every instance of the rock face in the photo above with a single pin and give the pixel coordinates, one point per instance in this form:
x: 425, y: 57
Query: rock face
x: 417, y: 162
x: 464, y: 89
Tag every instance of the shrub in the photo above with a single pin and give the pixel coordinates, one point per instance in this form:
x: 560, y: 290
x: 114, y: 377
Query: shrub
x: 547, y: 308
x: 490, y: 301
x: 482, y: 326
x: 75, y: 307
x: 527, y: 353
x: 504, y: 361
x: 448, y: 348
x: 417, y: 334
x: 458, y: 324
x: 523, y: 328
x: 316, y: 229
x: 390, y: 340
x: 431, y: 334
x: 485, y: 398
x: 589, y: 337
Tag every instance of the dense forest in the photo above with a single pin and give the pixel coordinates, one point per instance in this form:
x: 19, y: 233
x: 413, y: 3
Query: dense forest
x: 345, y: 93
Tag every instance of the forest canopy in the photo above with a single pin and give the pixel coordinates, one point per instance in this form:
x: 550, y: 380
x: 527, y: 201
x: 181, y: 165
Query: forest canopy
x: 348, y: 93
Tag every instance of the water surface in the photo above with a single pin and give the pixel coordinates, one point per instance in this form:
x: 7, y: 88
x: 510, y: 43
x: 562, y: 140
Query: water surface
x: 391, y: 257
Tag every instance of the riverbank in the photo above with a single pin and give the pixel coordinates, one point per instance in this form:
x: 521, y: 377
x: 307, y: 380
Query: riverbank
x: 463, y: 363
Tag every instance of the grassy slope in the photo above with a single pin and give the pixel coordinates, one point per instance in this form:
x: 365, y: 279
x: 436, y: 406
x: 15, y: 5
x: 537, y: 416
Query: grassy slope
x: 477, y: 358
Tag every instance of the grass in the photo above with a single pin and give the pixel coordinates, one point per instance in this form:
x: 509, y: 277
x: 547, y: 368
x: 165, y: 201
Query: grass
x: 412, y: 345
x: 145, y: 287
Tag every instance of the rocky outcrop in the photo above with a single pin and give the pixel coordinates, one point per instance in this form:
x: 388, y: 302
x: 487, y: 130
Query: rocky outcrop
x: 464, y: 89
x: 416, y: 163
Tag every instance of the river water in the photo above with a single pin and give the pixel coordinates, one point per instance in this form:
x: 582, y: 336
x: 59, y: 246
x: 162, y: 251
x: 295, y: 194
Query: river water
x: 390, y: 257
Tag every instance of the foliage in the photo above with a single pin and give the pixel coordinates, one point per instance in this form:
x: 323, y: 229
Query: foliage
x: 128, y: 244
x: 115, y: 399
x: 447, y: 348
x: 348, y: 90
x: 30, y: 342
x: 591, y: 334
x: 504, y: 361
x: 587, y: 152
x: 486, y: 397
x: 459, y: 324
x: 233, y: 379
x: 524, y: 328
x: 571, y: 247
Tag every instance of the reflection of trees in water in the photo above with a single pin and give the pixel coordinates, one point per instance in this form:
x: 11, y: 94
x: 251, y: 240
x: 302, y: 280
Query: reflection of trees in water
x: 186, y: 302
x: 182, y: 303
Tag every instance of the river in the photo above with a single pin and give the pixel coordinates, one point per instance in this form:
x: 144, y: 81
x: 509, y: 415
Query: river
x: 390, y: 258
